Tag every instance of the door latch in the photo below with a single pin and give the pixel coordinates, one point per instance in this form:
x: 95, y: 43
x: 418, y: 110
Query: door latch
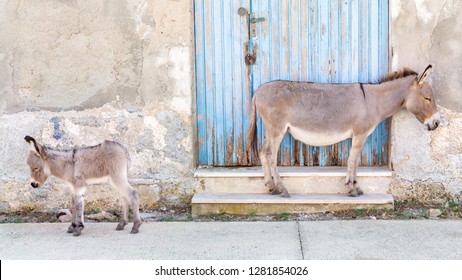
x: 254, y: 22
x: 250, y: 55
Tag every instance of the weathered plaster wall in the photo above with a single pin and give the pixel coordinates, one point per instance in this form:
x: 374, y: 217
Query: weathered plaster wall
x: 76, y: 72
x: 428, y: 165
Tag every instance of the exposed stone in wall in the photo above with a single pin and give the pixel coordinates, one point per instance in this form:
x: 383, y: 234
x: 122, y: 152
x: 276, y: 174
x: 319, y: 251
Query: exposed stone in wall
x: 424, y: 158
x: 426, y: 192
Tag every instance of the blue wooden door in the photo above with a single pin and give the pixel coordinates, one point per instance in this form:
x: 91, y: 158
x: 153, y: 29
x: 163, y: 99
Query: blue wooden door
x: 304, y: 40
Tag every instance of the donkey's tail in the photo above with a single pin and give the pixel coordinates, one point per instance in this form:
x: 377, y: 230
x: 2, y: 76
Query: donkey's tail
x: 252, y: 133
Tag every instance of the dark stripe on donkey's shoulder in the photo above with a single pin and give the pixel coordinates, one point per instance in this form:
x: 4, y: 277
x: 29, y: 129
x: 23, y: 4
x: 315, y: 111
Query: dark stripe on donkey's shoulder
x: 361, y: 85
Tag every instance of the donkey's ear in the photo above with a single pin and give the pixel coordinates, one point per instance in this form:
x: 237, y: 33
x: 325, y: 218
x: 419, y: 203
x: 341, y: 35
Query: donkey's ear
x: 34, y: 146
x: 423, y: 76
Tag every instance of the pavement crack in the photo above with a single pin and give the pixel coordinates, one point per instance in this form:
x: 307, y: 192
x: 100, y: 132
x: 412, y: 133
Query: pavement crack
x: 300, y: 240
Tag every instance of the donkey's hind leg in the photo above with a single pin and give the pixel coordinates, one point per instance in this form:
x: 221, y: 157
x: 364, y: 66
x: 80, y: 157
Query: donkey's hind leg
x: 265, y: 153
x: 135, y: 203
x: 274, y: 147
x: 129, y: 198
x: 123, y: 221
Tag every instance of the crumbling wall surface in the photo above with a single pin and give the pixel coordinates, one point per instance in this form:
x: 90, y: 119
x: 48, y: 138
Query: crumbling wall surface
x: 74, y: 73
x: 428, y: 165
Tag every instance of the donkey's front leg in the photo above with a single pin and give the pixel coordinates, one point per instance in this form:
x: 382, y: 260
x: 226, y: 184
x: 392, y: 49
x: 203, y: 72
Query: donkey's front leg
x: 72, y: 226
x: 77, y: 222
x: 353, y: 161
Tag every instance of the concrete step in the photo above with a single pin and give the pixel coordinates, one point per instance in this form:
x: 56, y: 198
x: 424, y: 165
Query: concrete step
x: 297, y: 180
x: 266, y: 204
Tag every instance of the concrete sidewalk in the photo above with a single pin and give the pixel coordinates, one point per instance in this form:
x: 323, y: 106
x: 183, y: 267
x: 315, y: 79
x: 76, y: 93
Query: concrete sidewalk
x: 344, y: 240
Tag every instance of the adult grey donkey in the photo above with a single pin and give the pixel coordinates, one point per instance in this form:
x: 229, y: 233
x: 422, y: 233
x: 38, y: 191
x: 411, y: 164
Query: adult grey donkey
x: 323, y: 114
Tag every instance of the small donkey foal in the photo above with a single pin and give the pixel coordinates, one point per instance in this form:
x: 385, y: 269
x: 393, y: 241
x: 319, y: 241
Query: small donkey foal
x: 80, y: 167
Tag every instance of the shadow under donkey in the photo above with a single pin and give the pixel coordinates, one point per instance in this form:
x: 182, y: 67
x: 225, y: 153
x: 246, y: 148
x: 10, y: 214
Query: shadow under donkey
x: 80, y: 167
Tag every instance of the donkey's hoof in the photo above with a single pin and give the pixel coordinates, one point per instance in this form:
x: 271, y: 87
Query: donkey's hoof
x: 360, y: 192
x: 70, y: 229
x: 271, y: 187
x: 121, y: 226
x: 285, y: 194
x: 275, y: 192
x: 353, y: 193
x: 77, y: 232
x: 136, y: 226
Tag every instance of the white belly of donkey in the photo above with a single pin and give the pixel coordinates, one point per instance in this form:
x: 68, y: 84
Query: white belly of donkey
x: 96, y: 181
x: 319, y: 138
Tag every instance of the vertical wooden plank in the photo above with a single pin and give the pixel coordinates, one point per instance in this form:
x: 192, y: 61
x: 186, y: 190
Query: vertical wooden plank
x: 261, y: 69
x: 294, y: 31
x: 363, y: 70
x: 210, y: 82
x: 200, y: 82
x: 354, y: 47
x: 335, y: 42
x: 374, y: 33
x: 343, y: 66
x: 363, y: 30
x: 383, y: 64
x: 240, y: 82
x: 218, y: 65
x: 303, y: 66
x: 227, y: 71
x: 324, y: 61
x: 236, y: 84
x: 373, y: 59
x: 344, y: 41
x: 283, y: 73
x: 313, y: 71
x: 333, y: 54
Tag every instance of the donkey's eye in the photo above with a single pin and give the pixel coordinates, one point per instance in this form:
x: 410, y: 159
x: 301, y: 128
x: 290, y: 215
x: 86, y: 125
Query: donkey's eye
x: 428, y: 98
x: 35, y: 169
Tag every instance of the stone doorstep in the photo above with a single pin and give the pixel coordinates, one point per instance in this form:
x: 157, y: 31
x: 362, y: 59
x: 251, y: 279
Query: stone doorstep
x: 301, y: 180
x: 265, y: 204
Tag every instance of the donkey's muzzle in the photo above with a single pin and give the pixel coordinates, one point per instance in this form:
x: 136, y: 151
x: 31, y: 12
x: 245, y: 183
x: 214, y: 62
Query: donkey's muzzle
x: 34, y: 185
x: 433, y: 122
x: 433, y: 125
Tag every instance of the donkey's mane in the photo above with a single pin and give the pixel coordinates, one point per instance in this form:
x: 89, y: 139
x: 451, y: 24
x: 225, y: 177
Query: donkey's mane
x: 397, y: 75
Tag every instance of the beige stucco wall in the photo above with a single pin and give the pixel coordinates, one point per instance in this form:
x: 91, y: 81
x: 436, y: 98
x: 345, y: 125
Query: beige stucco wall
x: 428, y: 165
x: 77, y: 72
